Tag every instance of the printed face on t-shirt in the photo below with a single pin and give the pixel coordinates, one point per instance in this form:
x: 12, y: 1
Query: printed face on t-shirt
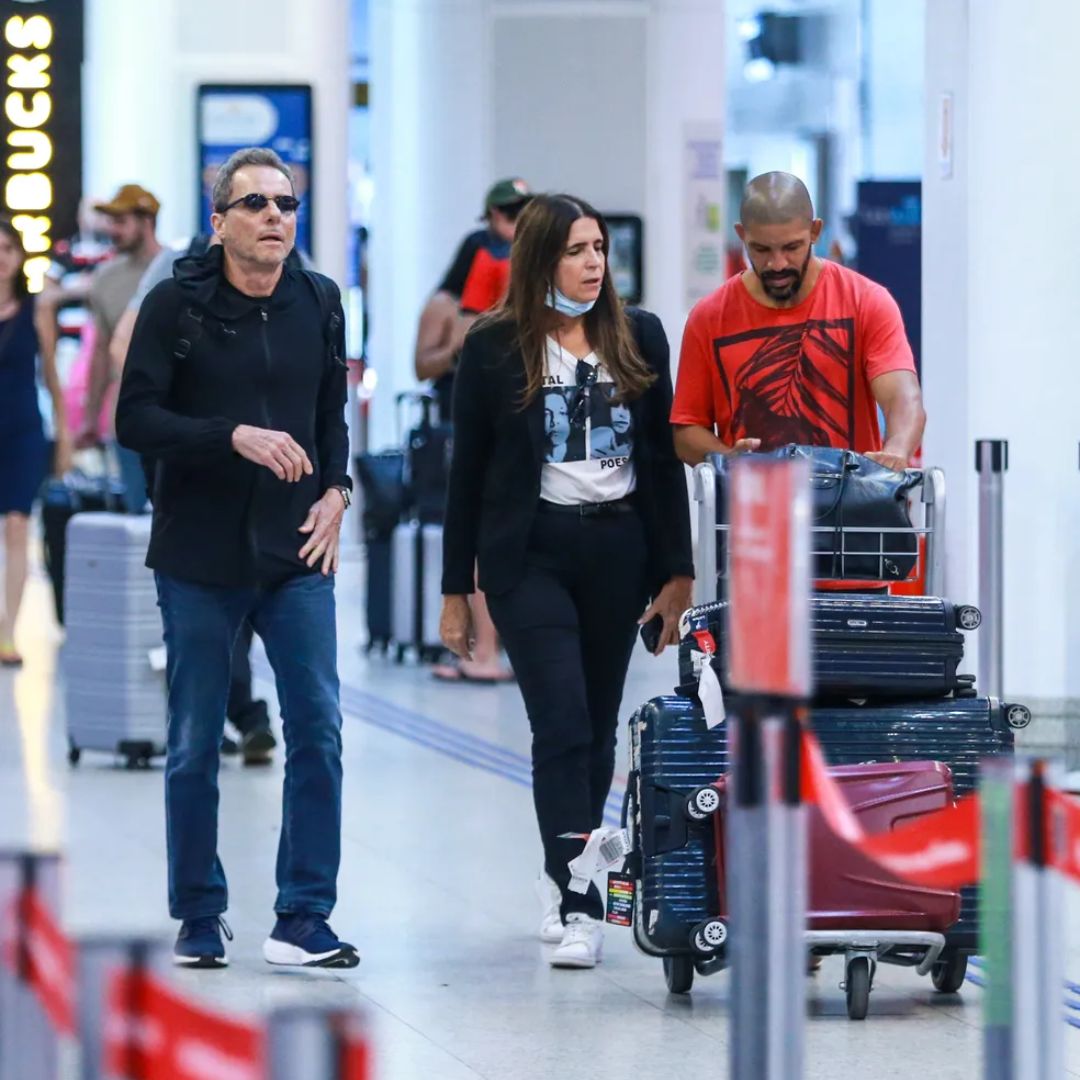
x: 605, y: 429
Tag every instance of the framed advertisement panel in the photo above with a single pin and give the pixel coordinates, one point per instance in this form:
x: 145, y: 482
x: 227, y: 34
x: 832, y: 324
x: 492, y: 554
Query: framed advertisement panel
x: 230, y: 116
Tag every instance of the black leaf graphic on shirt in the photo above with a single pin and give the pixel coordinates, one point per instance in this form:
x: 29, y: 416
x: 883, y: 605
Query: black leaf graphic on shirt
x: 796, y: 384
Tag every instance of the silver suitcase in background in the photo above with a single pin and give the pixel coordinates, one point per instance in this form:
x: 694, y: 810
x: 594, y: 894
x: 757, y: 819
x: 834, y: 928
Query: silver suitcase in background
x: 416, y: 602
x: 115, y: 699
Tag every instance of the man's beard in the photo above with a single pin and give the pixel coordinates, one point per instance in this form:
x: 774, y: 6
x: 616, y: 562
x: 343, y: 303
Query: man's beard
x: 785, y: 285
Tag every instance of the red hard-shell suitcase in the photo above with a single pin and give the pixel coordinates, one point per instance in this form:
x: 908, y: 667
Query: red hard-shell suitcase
x: 847, y: 890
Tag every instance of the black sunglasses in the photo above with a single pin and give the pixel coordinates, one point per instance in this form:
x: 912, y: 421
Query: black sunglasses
x: 256, y: 201
x: 586, y: 379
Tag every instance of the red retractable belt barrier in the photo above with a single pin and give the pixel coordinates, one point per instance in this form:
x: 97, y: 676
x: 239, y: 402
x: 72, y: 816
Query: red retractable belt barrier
x: 152, y: 1033
x: 50, y: 962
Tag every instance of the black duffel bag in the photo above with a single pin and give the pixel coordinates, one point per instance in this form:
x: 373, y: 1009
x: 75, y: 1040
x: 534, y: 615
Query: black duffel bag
x: 851, y: 492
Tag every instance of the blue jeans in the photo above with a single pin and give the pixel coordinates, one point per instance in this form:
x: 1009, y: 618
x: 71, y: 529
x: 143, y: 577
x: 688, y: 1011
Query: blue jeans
x: 296, y: 621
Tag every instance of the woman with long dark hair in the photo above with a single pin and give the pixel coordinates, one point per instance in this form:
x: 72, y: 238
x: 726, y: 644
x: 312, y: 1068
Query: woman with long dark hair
x: 571, y: 541
x: 23, y: 449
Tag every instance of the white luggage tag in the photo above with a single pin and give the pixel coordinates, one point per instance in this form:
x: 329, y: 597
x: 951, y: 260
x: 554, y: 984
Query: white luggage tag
x: 710, y: 692
x: 604, y: 849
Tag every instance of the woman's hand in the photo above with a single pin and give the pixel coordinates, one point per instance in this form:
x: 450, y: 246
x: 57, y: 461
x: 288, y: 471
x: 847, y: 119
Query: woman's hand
x: 672, y: 600
x: 456, y: 626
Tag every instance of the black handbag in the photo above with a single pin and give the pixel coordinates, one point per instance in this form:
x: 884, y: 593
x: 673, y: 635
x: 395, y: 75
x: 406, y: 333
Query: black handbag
x: 851, y: 492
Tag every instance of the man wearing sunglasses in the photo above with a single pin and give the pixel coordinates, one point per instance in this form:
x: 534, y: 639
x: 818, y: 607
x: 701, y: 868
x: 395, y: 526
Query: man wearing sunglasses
x: 243, y: 412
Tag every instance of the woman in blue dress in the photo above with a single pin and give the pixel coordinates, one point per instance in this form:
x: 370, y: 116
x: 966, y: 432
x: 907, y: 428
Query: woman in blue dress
x: 24, y: 334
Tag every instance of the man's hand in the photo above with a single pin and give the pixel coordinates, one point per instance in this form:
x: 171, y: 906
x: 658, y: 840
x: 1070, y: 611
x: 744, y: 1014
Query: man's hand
x: 896, y: 462
x: 456, y: 626
x: 672, y: 600
x: 745, y: 446
x: 276, y: 450
x: 323, y: 523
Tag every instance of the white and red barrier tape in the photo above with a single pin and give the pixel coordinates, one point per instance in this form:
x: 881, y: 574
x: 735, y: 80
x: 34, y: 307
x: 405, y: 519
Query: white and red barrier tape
x: 152, y: 1032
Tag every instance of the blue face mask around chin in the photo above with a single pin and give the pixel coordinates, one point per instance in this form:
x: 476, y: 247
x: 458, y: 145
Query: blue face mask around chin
x: 565, y: 306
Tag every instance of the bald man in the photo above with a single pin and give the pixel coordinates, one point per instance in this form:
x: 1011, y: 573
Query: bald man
x: 796, y: 349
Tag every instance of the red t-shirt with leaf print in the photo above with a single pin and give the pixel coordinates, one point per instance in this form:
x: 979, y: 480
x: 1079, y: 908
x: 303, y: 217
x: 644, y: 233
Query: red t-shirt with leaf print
x: 791, y: 375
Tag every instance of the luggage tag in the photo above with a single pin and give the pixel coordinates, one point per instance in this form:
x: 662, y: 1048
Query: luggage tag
x: 604, y: 848
x: 709, y: 690
x: 620, y: 899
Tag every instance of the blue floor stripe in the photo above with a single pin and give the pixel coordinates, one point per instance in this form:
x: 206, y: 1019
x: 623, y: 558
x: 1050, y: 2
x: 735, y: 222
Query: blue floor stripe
x: 436, y: 734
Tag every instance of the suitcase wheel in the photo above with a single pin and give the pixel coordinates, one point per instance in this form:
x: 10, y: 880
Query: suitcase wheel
x: 948, y: 975
x: 74, y: 753
x: 1018, y: 716
x: 968, y: 617
x: 857, y: 983
x: 702, y: 803
x: 709, y: 937
x: 679, y: 974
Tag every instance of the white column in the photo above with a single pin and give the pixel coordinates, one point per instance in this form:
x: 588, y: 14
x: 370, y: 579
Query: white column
x: 1000, y: 331
x: 139, y: 96
x: 684, y: 85
x: 431, y: 163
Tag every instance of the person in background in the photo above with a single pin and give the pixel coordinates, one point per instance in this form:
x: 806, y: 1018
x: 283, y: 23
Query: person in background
x: 570, y: 543
x: 251, y: 447
x: 475, y: 282
x: 25, y: 332
x: 796, y: 349
x: 132, y: 215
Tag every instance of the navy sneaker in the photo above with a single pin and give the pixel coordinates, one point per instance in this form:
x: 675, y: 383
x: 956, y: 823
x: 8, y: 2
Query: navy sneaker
x: 199, y: 944
x: 303, y: 940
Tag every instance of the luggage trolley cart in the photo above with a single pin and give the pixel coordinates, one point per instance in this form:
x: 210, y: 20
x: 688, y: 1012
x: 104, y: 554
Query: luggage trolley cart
x: 931, y: 949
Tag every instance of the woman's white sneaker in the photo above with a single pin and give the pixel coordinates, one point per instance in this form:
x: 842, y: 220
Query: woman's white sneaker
x: 551, y: 924
x: 582, y: 943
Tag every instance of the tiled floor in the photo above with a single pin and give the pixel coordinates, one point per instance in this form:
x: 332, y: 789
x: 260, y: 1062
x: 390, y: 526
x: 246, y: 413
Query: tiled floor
x: 436, y: 889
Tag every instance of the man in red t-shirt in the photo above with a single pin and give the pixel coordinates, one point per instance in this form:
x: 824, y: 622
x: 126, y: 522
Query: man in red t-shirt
x: 796, y: 349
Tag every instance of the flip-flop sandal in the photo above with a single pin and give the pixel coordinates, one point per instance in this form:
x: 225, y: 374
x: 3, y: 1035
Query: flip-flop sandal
x: 10, y: 660
x: 452, y: 674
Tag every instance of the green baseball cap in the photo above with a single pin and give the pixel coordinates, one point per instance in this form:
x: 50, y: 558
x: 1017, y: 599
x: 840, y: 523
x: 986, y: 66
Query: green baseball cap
x: 507, y: 193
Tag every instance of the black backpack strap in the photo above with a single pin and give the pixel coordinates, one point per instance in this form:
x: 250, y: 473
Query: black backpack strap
x: 189, y: 329
x: 330, y: 315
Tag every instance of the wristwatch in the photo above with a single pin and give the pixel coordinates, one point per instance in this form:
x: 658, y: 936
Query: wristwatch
x: 346, y: 494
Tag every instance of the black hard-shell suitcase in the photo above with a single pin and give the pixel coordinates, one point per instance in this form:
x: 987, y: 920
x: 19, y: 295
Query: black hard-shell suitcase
x: 865, y: 645
x: 380, y: 563
x: 672, y: 752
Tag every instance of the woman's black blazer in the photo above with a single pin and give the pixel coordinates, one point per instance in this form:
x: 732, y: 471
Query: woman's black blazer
x: 498, y: 456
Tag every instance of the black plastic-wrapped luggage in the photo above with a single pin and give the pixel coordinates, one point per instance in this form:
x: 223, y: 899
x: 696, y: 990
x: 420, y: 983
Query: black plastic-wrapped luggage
x: 672, y: 753
x: 865, y: 645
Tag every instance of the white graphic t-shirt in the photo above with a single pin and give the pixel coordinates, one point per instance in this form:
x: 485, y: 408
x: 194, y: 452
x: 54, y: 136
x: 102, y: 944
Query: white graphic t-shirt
x: 588, y: 437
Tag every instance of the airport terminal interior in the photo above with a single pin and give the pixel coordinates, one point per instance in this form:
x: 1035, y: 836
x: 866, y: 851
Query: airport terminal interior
x: 416, y: 134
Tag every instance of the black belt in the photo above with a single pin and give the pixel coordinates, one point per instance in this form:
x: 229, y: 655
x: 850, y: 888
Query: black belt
x: 598, y: 509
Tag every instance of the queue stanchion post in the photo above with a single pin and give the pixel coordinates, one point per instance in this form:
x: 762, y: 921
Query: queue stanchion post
x: 1037, y: 939
x: 991, y: 464
x: 99, y: 959
x: 997, y: 781
x: 30, y: 1041
x: 312, y: 1042
x: 769, y: 645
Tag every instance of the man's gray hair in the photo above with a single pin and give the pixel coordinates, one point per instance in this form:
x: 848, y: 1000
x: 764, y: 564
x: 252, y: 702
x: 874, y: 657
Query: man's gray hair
x: 251, y: 155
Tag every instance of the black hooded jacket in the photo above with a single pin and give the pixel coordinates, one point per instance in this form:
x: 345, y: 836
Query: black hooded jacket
x: 218, y: 518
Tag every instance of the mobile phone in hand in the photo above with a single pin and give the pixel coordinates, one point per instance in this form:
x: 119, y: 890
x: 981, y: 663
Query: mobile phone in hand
x: 651, y: 631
